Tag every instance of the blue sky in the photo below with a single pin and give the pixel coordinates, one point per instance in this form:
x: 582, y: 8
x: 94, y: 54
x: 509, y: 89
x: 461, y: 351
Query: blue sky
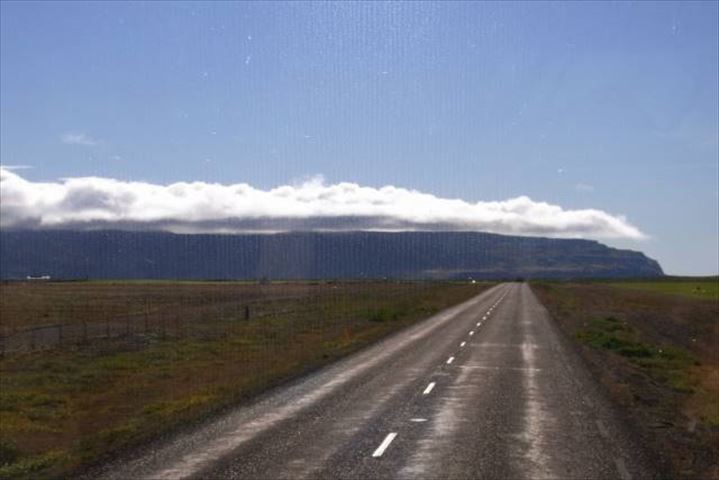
x: 610, y: 106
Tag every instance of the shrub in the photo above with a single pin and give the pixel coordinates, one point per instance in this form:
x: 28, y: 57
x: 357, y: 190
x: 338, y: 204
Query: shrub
x: 8, y: 452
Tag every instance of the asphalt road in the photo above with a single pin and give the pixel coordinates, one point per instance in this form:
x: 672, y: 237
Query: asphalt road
x: 486, y: 389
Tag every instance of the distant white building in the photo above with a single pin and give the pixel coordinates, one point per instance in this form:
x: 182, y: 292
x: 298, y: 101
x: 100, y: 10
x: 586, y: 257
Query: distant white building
x: 41, y: 277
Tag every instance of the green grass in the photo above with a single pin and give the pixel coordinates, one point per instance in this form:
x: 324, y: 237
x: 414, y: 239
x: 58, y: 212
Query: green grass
x: 668, y: 364
x: 653, y: 345
x: 28, y: 467
x: 703, y: 288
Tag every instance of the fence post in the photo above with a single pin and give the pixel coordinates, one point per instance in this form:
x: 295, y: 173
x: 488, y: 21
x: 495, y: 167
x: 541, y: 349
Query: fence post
x: 84, y: 331
x: 59, y: 334
x: 247, y: 312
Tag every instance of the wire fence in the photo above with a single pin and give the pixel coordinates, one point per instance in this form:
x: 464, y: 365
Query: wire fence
x: 44, y: 317
x: 139, y: 327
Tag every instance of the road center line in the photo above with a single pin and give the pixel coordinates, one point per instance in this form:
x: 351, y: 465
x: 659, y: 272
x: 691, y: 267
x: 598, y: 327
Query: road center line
x: 385, y: 443
x: 450, y: 360
x: 428, y: 389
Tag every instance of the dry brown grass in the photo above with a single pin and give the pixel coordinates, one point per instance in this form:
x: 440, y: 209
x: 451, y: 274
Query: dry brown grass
x: 63, y: 408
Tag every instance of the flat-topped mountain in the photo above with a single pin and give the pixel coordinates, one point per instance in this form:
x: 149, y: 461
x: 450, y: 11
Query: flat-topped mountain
x: 310, y: 255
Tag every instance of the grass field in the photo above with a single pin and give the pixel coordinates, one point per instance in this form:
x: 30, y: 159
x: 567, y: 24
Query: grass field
x: 654, y: 346
x: 65, y: 407
x: 707, y: 289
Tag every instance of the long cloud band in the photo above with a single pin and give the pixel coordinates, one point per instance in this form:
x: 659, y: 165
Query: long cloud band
x: 198, y: 207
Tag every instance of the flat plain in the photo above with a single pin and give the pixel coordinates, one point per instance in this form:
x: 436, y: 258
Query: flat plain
x: 163, y: 364
x: 706, y: 288
x: 485, y: 389
x: 654, y: 347
x: 176, y: 352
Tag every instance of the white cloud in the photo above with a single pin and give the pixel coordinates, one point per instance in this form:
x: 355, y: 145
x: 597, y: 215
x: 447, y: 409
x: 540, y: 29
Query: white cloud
x: 78, y: 139
x: 92, y: 202
x: 16, y: 167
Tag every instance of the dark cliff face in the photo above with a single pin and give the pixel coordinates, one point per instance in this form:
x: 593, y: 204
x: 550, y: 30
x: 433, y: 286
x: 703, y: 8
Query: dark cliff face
x: 440, y: 255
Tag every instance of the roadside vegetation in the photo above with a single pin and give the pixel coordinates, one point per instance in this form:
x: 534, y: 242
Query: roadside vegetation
x: 190, y: 350
x: 654, y: 347
x: 702, y: 288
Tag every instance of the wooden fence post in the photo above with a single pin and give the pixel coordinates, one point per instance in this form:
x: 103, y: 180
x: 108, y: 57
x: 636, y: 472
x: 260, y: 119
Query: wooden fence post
x: 147, y: 313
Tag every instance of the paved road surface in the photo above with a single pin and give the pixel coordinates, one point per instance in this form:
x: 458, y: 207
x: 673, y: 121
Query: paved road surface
x: 486, y: 389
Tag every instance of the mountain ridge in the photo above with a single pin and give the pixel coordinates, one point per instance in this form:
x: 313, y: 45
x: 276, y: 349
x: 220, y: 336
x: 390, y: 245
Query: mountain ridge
x: 116, y: 254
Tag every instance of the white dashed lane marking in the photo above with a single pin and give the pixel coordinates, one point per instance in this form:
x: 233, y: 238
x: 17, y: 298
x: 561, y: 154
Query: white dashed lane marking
x: 385, y: 443
x: 428, y: 389
x: 450, y: 360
